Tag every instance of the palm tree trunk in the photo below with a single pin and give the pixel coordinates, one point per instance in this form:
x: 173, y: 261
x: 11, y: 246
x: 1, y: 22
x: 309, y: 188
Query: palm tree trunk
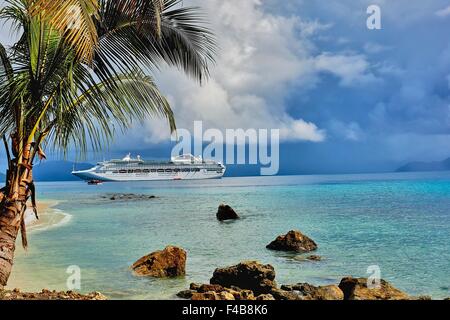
x: 13, y: 200
x: 10, y: 222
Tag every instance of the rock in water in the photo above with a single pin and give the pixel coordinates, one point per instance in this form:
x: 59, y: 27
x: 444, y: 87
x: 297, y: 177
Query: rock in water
x: 356, y: 289
x: 314, y: 258
x: 249, y: 275
x: 170, y: 262
x: 293, y: 241
x: 225, y: 212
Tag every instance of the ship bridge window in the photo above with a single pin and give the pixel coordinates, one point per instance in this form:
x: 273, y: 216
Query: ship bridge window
x: 146, y: 171
x: 138, y: 171
x: 169, y: 170
x: 160, y: 170
x: 123, y: 171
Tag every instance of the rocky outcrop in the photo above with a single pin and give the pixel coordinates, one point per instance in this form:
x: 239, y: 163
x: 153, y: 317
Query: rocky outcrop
x: 253, y: 281
x: 293, y: 241
x: 225, y: 212
x: 356, y: 289
x: 170, y: 262
x: 128, y: 197
x: 49, y: 295
x: 216, y: 292
x: 249, y: 275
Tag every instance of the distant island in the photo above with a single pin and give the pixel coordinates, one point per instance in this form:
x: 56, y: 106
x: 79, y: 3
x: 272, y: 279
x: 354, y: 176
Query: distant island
x: 426, y: 166
x: 62, y: 170
x: 58, y: 170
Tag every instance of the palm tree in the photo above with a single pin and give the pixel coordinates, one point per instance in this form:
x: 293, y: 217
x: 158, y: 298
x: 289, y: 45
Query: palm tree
x: 81, y: 70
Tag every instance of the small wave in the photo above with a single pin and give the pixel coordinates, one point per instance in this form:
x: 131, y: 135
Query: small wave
x: 53, y: 219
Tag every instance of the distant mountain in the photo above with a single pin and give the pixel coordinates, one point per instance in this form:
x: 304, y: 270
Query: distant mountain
x: 58, y: 170
x: 426, y: 166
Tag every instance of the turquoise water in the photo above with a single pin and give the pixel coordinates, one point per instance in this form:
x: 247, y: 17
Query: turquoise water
x: 400, y: 222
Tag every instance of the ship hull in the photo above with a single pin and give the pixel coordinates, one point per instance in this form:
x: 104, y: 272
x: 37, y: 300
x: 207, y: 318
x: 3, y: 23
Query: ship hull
x: 89, y: 175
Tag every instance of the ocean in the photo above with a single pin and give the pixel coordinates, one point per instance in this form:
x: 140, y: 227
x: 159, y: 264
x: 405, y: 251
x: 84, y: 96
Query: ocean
x: 399, y: 222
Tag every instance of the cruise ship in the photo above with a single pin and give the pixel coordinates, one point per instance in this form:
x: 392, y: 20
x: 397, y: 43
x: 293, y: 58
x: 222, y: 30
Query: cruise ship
x: 185, y: 167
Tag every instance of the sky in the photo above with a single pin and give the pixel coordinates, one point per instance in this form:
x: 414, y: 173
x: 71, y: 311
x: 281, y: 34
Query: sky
x: 345, y: 98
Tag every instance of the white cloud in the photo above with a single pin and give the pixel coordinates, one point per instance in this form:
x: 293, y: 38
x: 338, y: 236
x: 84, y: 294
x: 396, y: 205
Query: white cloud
x: 443, y: 12
x: 375, y: 48
x: 348, y: 131
x: 261, y: 57
x: 351, y: 69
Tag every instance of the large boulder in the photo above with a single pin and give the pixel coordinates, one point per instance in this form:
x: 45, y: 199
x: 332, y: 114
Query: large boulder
x: 225, y: 212
x: 293, y: 241
x: 249, y: 275
x: 357, y: 289
x: 170, y: 262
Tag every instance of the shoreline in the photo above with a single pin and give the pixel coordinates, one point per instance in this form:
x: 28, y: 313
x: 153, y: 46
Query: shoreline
x: 49, y: 217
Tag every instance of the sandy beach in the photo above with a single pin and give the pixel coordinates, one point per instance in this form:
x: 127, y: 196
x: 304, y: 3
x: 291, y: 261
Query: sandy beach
x: 49, y: 217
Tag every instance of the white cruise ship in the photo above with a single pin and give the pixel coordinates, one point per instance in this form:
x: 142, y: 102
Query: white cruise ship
x: 186, y: 167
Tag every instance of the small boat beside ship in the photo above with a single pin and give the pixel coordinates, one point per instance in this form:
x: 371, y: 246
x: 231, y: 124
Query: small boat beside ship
x: 185, y: 167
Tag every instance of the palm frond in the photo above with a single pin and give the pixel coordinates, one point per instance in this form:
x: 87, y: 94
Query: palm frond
x: 185, y: 41
x: 75, y: 19
x: 94, y: 115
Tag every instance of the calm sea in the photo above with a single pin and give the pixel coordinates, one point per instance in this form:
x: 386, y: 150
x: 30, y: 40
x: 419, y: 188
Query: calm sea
x: 399, y: 222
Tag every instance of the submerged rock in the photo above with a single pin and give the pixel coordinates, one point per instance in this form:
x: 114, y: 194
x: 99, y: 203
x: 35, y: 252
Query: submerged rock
x: 225, y: 212
x: 356, y: 289
x: 314, y: 258
x: 249, y: 275
x: 170, y: 262
x: 293, y: 241
x: 128, y: 197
